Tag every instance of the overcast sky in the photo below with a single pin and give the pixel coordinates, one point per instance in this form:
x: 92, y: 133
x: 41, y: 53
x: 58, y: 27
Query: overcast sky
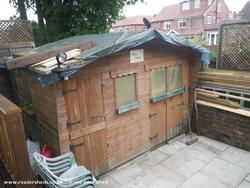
x: 149, y: 7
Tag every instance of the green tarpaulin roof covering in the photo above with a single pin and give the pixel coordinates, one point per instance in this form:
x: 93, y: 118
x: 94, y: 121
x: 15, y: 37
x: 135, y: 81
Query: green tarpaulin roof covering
x: 106, y: 44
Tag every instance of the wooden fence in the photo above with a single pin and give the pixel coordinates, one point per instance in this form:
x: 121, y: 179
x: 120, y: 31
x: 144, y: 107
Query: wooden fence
x: 13, y: 149
x: 15, y: 31
x: 234, y: 47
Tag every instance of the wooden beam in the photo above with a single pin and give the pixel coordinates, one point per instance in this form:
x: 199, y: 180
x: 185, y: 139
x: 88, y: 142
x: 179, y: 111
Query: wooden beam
x: 40, y: 56
x: 225, y: 95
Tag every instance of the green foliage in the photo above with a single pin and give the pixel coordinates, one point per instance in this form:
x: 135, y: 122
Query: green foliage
x: 65, y: 18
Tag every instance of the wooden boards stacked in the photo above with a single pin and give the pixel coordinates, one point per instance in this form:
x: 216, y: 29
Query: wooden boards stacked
x: 216, y: 98
x: 46, y: 66
x: 230, y: 79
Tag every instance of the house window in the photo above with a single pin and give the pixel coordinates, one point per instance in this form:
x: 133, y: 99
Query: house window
x: 219, y: 7
x: 125, y: 29
x: 209, y: 19
x: 212, y: 38
x: 213, y: 19
x: 182, y: 24
x: 186, y: 5
x: 125, y: 90
x: 209, y: 2
x: 167, y: 25
x: 158, y: 82
x: 197, y: 3
x: 174, y: 77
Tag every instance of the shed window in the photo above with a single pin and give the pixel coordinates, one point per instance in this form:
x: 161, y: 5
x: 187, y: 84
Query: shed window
x: 125, y: 90
x: 174, y: 77
x: 158, y: 82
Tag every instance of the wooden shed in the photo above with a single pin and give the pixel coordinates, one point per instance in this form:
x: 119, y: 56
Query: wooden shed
x: 127, y: 94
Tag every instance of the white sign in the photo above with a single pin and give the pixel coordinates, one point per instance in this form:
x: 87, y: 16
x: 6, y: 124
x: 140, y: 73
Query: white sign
x: 136, y: 56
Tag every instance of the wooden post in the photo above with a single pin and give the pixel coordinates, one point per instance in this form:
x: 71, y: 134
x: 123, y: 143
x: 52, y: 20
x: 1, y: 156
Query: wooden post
x: 13, y: 148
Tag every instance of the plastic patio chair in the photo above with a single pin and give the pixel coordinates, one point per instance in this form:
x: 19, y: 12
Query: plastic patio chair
x: 63, y: 172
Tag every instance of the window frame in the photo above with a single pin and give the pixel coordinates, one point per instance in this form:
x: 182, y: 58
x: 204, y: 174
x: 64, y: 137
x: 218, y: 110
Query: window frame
x: 151, y: 90
x: 131, y: 106
x: 185, y: 6
x: 197, y: 2
x: 182, y: 21
x: 167, y: 23
x: 167, y: 94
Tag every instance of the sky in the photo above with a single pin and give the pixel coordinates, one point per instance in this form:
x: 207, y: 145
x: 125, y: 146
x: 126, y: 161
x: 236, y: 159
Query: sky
x: 149, y: 7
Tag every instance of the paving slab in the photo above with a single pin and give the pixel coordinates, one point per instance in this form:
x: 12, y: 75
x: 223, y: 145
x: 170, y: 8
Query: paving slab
x: 202, y: 152
x: 172, y: 148
x: 126, y: 173
x: 237, y: 156
x: 160, y: 177
x: 201, y: 180
x: 248, y: 178
x: 151, y: 159
x: 108, y: 182
x: 218, y: 146
x: 225, y: 172
x: 135, y: 184
x: 244, y: 184
x: 184, y: 163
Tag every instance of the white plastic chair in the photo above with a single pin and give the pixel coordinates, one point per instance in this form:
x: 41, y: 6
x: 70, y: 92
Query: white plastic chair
x: 63, y: 172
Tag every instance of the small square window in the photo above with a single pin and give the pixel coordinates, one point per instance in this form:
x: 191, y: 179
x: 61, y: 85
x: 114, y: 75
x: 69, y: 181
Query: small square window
x: 125, y: 90
x: 174, y: 77
x: 167, y: 25
x: 158, y: 82
x: 209, y: 19
x: 182, y: 24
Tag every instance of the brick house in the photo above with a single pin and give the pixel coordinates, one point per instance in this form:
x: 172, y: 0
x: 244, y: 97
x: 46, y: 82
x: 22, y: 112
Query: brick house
x: 133, y: 23
x: 193, y: 18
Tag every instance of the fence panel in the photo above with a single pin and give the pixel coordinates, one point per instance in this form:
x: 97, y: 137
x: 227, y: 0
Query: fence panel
x: 234, y: 47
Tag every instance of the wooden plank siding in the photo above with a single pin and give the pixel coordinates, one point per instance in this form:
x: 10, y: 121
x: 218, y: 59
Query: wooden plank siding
x: 128, y: 134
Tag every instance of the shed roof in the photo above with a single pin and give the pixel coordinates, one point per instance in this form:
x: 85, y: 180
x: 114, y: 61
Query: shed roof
x: 110, y: 43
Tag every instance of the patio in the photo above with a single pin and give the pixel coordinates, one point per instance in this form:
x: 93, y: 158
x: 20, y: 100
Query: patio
x: 205, y: 164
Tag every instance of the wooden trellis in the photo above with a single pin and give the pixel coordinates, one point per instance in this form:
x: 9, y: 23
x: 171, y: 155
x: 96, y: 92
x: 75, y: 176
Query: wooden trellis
x: 15, y: 31
x: 234, y: 47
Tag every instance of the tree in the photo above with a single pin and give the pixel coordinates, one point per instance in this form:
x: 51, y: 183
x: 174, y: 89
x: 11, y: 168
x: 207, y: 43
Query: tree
x: 64, y: 18
x: 21, y: 8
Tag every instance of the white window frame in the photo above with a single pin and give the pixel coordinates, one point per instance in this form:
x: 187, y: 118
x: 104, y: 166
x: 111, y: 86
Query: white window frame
x: 209, y: 38
x: 219, y: 7
x: 197, y: 3
x: 209, y: 19
x: 186, y: 5
x: 167, y: 25
x: 182, y: 21
x: 209, y: 2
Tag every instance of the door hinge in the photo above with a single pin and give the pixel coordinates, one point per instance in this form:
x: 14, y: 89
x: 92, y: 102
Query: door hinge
x: 65, y: 91
x: 153, y: 114
x: 72, y: 123
x: 71, y: 146
x: 103, y: 84
x: 151, y: 138
x: 103, y: 115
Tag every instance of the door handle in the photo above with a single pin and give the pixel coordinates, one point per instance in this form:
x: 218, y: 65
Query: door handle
x: 153, y: 114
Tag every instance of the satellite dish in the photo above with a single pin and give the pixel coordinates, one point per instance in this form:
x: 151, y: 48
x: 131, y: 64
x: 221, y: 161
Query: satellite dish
x: 147, y: 23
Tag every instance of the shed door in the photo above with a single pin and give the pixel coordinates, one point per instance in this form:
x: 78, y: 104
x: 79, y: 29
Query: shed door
x: 158, y: 126
x: 85, y: 113
x: 176, y: 116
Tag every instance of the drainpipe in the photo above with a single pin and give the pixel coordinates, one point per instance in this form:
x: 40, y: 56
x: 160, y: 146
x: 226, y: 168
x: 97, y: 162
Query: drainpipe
x: 216, y: 11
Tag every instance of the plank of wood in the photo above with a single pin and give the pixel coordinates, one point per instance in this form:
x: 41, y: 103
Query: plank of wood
x: 223, y: 94
x: 37, y: 57
x: 221, y: 107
